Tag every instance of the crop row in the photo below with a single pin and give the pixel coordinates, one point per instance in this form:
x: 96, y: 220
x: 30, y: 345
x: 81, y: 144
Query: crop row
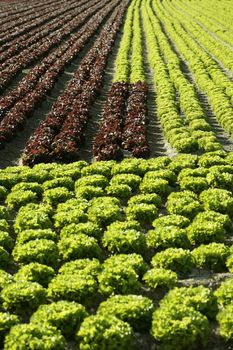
x: 62, y: 131
x: 212, y: 21
x: 50, y: 64
x: 107, y: 141
x: 13, y: 11
x: 207, y: 73
x: 12, y: 47
x: 10, y: 23
x: 110, y: 239
x: 123, y: 124
x: 31, y: 54
x: 184, y: 122
x: 34, y: 87
x: 184, y: 61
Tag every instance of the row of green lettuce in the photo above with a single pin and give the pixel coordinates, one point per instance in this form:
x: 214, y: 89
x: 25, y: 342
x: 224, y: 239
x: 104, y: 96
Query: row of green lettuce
x: 203, y: 56
x: 129, y: 61
x: 184, y: 121
x: 180, y: 321
x: 89, y: 249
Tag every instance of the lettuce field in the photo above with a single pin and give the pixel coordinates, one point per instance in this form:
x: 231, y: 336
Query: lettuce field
x: 116, y: 175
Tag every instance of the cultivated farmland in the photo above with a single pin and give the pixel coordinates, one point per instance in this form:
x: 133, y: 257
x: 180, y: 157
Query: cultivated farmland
x: 116, y: 175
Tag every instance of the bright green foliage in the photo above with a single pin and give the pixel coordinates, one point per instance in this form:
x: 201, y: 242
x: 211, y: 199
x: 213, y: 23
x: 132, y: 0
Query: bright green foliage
x: 73, y: 204
x: 23, y: 297
x: 100, y: 168
x: 76, y: 281
x: 137, y: 69
x: 226, y: 169
x: 192, y: 172
x: 103, y: 211
x: 124, y: 237
x: 130, y: 166
x: 119, y: 279
x: 171, y: 220
x: 157, y: 277
x: 71, y: 170
x: 148, y: 198
x: 158, y: 163
x: 193, y: 183
x: 87, y: 228
x: 35, y: 272
x: 5, y: 278
x: 224, y: 293
x: 159, y: 186
x: 123, y: 191
x: 92, y: 180
x: 165, y: 174
x: 179, y: 327
x: 134, y: 261
x: 43, y: 251
x: 63, y: 171
x: 229, y: 262
x: 75, y: 287
x: 4, y: 226
x: 59, y: 182
x: 183, y: 161
x: 28, y: 186
x: 33, y: 216
x: 205, y: 232
x: 212, y: 256
x: 88, y: 192
x: 186, y: 144
x: 213, y: 216
x: 46, y: 166
x: 99, y: 332
x: 124, y: 225
x: 6, y: 241
x: 57, y: 195
x: 120, y: 274
x: 127, y: 240
x: 209, y: 159
x: 175, y: 259
x: 167, y: 236
x: 33, y: 175
x: 200, y: 298
x: 217, y: 177
x: 6, y: 322
x: 8, y: 180
x: 31, y: 337
x: 122, y: 66
x: 183, y: 203
x: 134, y: 309
x: 3, y: 213
x: 3, y: 193
x: 64, y: 218
x: 65, y: 315
x: 32, y: 234
x: 142, y: 212
x: 17, y: 199
x: 218, y: 200
x: 83, y: 266
x: 199, y: 124
x: 225, y: 319
x: 78, y: 246
x: 132, y: 180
